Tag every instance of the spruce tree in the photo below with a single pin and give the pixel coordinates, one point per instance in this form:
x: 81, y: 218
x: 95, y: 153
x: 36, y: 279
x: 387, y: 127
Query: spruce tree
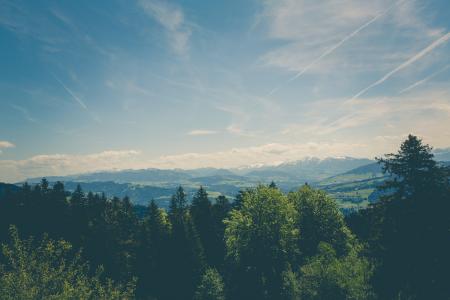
x: 178, y: 204
x: 187, y: 260
x: 410, y: 225
x: 201, y: 213
x: 154, y: 278
x: 220, y: 211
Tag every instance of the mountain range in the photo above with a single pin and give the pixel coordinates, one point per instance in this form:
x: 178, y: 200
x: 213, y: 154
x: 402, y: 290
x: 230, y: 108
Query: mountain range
x: 351, y: 181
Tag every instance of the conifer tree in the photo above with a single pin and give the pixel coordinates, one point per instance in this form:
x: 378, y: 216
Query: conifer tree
x: 187, y: 260
x: 220, y: 211
x: 409, y: 225
x: 201, y: 213
x: 154, y: 278
x: 178, y: 204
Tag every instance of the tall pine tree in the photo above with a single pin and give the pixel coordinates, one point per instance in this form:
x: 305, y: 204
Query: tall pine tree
x: 187, y: 260
x: 201, y: 213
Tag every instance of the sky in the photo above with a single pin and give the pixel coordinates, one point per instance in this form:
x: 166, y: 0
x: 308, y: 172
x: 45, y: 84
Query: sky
x: 128, y: 84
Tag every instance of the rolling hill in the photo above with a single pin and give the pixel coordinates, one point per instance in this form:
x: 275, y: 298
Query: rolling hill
x: 351, y: 181
x: 146, y: 184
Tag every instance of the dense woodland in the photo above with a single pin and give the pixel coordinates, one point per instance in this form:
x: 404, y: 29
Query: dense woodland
x: 263, y: 244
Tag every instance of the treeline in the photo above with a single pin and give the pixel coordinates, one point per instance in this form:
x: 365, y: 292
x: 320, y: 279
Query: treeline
x: 262, y: 245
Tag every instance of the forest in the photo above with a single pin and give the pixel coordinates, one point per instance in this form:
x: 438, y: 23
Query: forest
x: 263, y: 244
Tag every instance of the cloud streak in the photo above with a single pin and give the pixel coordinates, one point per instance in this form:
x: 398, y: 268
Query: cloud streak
x: 422, y: 81
x: 266, y: 154
x: 24, y: 112
x: 78, y: 100
x: 74, y: 97
x: 409, y: 113
x: 199, y: 132
x: 172, y: 18
x: 67, y: 164
x: 443, y: 39
x: 336, y: 46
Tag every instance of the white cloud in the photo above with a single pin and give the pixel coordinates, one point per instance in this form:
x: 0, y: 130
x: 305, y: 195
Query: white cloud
x: 312, y: 31
x: 268, y: 154
x: 171, y: 17
x: 5, y: 144
x: 201, y: 132
x: 330, y: 50
x: 443, y: 39
x: 66, y: 164
x: 238, y: 130
x: 411, y: 113
x: 424, y: 80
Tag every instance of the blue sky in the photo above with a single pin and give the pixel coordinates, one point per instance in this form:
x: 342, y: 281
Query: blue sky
x: 95, y: 85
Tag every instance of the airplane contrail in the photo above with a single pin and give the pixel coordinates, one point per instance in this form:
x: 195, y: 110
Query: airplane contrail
x: 422, y: 81
x: 413, y: 59
x: 78, y: 100
x: 333, y: 48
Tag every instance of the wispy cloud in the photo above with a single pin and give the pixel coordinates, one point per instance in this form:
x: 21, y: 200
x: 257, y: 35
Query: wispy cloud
x: 236, y: 129
x: 308, y: 32
x: 24, y: 112
x: 266, y: 154
x: 65, y: 164
x: 422, y: 81
x: 198, y: 132
x: 72, y: 94
x: 5, y: 144
x: 172, y: 18
x: 336, y: 46
x: 443, y: 39
x: 411, y: 113
x: 78, y: 101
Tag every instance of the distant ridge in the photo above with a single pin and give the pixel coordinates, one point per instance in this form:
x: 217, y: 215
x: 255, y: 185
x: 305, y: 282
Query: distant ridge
x: 310, y: 168
x: 351, y: 181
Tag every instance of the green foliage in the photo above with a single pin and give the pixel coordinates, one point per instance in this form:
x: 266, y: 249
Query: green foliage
x: 201, y: 212
x: 326, y: 276
x: 260, y: 238
x: 152, y: 271
x: 50, y: 270
x: 407, y: 231
x: 220, y: 211
x: 187, y: 260
x: 211, y: 286
x: 319, y: 220
x: 267, y: 245
x: 412, y: 167
x: 291, y: 285
x: 265, y: 221
x: 178, y: 204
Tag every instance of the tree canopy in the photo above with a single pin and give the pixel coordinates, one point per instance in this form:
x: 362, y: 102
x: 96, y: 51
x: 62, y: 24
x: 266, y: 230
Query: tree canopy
x: 263, y: 244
